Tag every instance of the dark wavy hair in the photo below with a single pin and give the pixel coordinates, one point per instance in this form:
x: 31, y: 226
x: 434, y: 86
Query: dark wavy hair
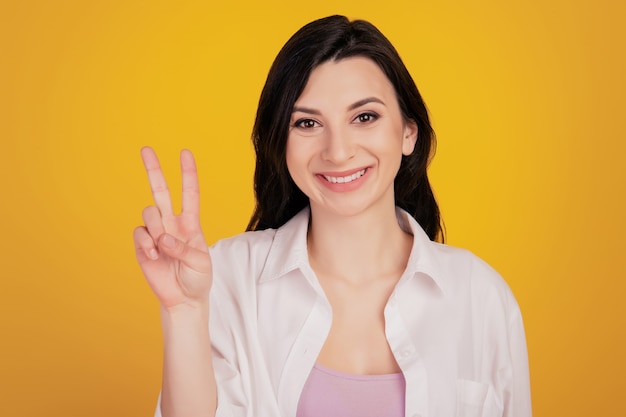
x: 334, y: 38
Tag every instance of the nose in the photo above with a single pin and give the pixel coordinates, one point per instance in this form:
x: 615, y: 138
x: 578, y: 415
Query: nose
x: 339, y: 146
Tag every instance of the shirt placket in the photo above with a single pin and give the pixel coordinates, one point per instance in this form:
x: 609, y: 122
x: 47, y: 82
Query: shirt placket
x: 304, y: 353
x: 409, y: 360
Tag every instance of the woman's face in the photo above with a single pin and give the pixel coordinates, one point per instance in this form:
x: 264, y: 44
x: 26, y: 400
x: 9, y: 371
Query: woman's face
x: 347, y: 137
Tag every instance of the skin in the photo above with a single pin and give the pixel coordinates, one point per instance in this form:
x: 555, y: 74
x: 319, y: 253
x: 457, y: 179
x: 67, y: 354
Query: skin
x: 174, y: 258
x: 347, y: 120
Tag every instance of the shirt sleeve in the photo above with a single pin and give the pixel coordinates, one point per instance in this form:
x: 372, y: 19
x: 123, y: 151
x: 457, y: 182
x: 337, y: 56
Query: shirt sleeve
x: 517, y: 396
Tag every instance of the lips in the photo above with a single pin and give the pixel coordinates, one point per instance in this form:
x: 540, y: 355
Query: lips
x: 346, y: 178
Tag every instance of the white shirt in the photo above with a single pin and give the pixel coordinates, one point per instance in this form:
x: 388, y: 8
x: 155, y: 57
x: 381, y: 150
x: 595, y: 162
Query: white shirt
x: 452, y: 324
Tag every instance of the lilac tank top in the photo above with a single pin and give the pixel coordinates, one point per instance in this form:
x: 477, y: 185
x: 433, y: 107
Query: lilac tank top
x: 330, y: 393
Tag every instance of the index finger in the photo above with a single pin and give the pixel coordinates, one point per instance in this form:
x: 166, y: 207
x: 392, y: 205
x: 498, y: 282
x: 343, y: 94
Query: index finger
x: 191, y: 189
x: 158, y: 185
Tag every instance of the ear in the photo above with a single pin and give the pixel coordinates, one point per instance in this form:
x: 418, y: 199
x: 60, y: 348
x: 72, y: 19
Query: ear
x: 410, y: 137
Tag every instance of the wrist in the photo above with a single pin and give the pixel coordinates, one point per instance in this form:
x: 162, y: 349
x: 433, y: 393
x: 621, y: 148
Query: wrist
x: 186, y: 308
x: 192, y: 316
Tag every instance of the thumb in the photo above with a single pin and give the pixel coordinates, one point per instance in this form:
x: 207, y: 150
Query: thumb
x: 196, y: 259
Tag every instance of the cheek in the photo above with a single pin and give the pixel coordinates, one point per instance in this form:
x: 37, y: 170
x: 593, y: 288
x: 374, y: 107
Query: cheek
x: 293, y: 159
x: 390, y: 143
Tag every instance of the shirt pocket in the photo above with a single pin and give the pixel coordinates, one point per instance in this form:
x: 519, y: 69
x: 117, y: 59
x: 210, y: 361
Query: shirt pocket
x: 476, y: 399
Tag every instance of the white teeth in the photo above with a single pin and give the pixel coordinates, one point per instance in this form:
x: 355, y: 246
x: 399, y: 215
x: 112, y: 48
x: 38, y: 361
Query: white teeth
x: 348, y: 178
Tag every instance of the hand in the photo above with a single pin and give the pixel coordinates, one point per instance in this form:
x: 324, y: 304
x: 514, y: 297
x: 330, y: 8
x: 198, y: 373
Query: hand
x: 171, y: 249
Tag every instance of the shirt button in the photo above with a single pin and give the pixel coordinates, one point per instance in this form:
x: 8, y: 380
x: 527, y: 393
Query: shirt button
x: 406, y: 354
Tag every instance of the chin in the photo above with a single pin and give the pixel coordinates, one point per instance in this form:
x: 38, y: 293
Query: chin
x: 350, y: 208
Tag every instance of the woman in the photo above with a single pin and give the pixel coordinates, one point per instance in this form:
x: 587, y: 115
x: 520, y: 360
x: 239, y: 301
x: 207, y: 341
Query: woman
x: 337, y: 301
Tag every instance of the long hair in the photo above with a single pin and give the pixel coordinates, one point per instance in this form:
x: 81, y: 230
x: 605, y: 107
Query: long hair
x: 278, y: 198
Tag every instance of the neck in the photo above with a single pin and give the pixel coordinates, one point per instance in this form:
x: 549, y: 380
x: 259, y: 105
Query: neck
x: 357, y: 248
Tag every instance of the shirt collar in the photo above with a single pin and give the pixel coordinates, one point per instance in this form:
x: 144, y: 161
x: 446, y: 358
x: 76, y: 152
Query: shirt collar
x: 424, y: 259
x: 289, y: 250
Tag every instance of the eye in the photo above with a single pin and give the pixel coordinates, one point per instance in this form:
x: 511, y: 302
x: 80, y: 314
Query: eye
x: 366, y: 117
x: 306, y: 124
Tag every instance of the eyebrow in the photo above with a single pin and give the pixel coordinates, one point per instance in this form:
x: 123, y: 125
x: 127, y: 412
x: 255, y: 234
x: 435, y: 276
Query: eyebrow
x: 353, y: 106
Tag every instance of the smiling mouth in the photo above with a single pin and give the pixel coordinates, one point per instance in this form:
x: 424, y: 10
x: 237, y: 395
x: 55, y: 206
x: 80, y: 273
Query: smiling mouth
x: 348, y: 178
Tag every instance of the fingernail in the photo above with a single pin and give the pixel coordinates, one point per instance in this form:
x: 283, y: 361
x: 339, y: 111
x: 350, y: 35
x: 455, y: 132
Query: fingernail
x: 169, y: 241
x: 152, y: 254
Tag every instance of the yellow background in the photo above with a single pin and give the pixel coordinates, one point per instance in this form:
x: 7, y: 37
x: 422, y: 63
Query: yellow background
x: 527, y: 99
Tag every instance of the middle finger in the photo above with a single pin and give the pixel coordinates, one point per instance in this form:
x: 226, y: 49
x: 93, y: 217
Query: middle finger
x: 160, y: 191
x: 153, y: 222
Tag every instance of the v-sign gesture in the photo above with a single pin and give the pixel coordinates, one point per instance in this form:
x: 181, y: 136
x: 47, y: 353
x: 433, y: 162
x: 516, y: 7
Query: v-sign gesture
x: 170, y: 248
